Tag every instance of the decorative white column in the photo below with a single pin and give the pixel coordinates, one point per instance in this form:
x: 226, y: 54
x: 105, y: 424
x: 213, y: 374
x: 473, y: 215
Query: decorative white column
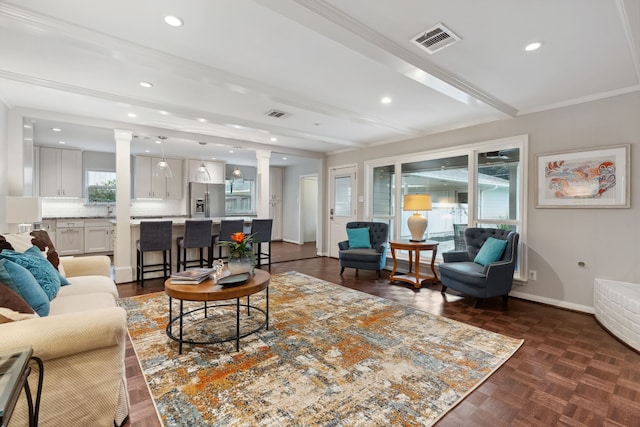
x: 15, y: 155
x: 263, y: 157
x: 122, y: 250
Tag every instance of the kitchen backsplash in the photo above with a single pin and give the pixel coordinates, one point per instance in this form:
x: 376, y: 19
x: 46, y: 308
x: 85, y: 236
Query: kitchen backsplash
x: 70, y: 208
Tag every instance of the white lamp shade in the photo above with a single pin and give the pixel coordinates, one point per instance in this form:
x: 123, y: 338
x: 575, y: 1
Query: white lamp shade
x: 23, y: 210
x: 417, y: 202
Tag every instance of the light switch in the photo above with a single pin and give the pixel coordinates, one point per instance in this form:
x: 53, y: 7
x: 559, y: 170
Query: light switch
x: 361, y: 199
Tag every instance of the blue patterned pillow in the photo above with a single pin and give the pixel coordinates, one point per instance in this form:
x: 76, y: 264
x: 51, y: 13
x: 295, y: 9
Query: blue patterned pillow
x: 24, y: 284
x: 35, y: 251
x: 46, y: 275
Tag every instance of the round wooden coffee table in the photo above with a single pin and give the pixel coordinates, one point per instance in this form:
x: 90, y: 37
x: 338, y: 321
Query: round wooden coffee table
x: 209, y: 291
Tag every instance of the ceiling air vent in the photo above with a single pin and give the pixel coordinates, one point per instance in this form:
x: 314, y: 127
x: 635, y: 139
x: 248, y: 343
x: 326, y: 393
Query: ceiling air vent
x: 277, y: 114
x: 435, y: 38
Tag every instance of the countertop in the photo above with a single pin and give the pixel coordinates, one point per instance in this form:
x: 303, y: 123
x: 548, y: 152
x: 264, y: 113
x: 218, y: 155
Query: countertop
x: 181, y: 220
x: 135, y: 220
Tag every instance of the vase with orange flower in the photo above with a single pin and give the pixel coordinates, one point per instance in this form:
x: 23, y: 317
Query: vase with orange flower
x: 241, y: 256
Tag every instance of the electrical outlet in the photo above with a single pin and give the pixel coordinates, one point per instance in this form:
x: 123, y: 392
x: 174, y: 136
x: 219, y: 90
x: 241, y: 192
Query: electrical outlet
x: 533, y: 275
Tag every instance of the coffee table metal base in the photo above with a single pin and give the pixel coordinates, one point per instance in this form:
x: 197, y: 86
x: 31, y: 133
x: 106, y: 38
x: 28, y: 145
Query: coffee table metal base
x: 181, y: 317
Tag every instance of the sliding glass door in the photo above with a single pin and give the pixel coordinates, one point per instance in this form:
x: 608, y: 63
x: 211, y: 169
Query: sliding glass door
x: 481, y: 185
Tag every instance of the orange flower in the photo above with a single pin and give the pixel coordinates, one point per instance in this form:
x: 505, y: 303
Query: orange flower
x: 238, y: 237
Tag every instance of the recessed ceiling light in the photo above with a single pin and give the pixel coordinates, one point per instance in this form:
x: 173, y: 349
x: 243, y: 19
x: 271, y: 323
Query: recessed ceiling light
x: 146, y: 84
x: 28, y: 139
x: 273, y: 139
x: 26, y: 126
x: 174, y: 21
x: 231, y: 151
x: 61, y: 142
x: 284, y: 158
x: 164, y: 113
x: 132, y: 115
x: 386, y: 100
x: 201, y: 120
x: 533, y: 46
x: 56, y: 129
x: 213, y: 158
x: 158, y: 141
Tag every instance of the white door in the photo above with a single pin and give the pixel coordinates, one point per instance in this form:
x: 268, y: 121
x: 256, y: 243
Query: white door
x: 342, y: 206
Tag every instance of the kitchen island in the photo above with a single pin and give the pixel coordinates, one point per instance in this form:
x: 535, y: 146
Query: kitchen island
x: 177, y: 231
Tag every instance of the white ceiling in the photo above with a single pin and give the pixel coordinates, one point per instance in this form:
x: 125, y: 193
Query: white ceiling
x: 327, y: 63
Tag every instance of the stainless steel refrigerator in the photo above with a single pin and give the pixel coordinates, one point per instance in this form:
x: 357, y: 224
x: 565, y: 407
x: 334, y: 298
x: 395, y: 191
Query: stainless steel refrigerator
x: 206, y: 200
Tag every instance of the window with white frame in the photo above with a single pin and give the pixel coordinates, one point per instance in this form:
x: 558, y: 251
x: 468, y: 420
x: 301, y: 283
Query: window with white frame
x: 239, y: 196
x: 482, y: 184
x: 101, y: 186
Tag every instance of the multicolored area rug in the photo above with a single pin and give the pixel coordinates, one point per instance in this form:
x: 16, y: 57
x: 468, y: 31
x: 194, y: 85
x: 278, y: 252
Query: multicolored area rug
x: 332, y: 356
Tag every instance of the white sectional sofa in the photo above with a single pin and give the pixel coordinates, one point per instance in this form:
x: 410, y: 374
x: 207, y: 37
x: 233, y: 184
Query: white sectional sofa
x: 82, y: 344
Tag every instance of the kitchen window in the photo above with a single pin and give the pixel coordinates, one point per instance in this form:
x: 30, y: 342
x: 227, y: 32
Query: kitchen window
x: 101, y: 186
x: 239, y: 196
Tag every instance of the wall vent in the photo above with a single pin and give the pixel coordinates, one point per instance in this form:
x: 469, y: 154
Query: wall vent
x: 278, y: 114
x: 435, y: 38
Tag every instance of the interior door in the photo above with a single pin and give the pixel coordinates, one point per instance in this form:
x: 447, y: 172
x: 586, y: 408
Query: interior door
x: 342, y: 206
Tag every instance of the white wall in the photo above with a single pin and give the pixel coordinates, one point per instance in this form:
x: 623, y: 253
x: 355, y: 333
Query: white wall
x: 4, y: 155
x: 606, y: 240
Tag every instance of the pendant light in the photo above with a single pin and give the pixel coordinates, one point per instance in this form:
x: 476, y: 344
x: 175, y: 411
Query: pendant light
x: 236, y: 175
x: 162, y: 167
x: 202, y: 174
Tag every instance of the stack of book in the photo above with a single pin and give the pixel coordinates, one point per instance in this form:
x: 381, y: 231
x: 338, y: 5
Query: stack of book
x: 191, y: 277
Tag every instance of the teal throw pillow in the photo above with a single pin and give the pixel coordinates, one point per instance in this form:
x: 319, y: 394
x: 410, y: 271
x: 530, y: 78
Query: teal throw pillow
x: 491, y: 251
x: 359, y: 238
x: 35, y: 251
x: 46, y: 275
x: 22, y: 282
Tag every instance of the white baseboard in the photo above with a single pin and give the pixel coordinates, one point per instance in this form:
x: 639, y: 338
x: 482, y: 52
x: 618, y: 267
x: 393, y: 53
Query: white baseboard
x: 551, y: 301
x: 123, y: 274
x: 292, y: 241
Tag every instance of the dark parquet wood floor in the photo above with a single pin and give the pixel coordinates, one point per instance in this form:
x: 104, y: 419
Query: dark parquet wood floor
x: 569, y: 372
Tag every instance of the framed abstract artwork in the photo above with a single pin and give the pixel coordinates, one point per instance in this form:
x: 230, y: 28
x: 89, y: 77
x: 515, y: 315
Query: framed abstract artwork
x: 591, y: 178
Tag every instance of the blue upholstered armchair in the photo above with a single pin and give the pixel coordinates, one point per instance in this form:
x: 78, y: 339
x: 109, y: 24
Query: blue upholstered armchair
x: 465, y: 272
x: 367, y: 258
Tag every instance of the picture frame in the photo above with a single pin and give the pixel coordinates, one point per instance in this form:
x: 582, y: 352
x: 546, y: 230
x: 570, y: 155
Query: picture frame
x: 589, y: 178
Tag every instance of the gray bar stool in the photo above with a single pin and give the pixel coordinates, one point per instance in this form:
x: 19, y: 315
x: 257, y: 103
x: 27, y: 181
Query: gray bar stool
x: 197, y: 235
x: 227, y: 228
x: 154, y: 236
x: 261, y: 232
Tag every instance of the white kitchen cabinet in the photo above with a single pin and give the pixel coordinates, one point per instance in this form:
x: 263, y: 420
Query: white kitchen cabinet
x: 275, y: 201
x: 70, y: 237
x: 275, y: 213
x: 97, y: 236
x: 216, y: 171
x: 275, y: 183
x: 49, y: 225
x: 149, y: 185
x: 60, y: 172
x: 175, y: 184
